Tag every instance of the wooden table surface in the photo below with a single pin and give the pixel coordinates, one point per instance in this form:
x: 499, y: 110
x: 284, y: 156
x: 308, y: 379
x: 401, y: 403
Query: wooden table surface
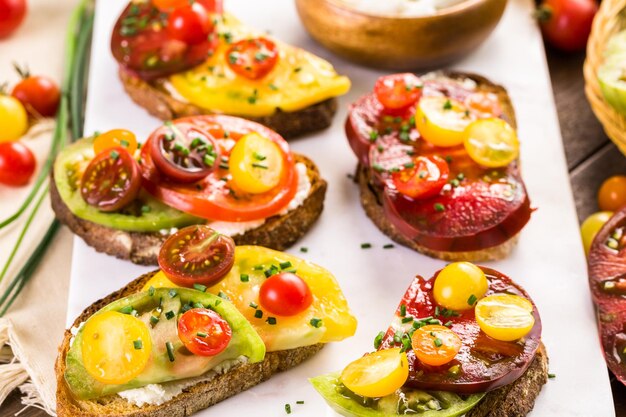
x: 591, y: 158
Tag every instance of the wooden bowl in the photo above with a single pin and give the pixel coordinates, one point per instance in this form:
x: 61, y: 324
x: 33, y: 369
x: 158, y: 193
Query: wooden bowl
x: 400, y: 42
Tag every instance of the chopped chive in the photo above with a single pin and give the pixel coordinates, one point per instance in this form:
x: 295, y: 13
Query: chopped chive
x: 388, y: 246
x: 199, y: 287
x: 258, y: 314
x: 436, y: 310
x: 447, y: 105
x: 198, y: 305
x: 439, y: 207
x: 409, y: 165
x: 223, y: 295
x: 373, y: 135
x: 124, y: 143
x: 261, y: 166
x: 472, y: 300
x: 397, y: 338
x: 126, y: 310
x: 378, y: 168
x: 285, y: 265
x: 378, y: 340
x: 300, y: 402
x: 366, y: 245
x: 145, y: 209
x: 304, y: 249
x: 201, y: 334
x: 404, y: 136
x: 288, y: 408
x: 402, y: 310
x: 170, y: 351
x: 154, y: 320
x: 259, y: 157
x: 315, y: 322
x: 407, y: 319
x: 172, y: 293
x: 138, y: 344
x: 244, y: 278
x: 151, y: 291
x: 448, y: 324
x: 218, y: 302
x: 271, y: 321
x: 273, y: 87
x: 114, y: 155
x: 253, y: 304
x: 258, y: 267
x: 551, y: 376
x: 169, y: 315
x: 434, y: 321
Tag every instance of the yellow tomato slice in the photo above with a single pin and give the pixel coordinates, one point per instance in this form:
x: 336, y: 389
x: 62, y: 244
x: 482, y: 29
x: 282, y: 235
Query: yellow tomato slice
x: 256, y: 164
x: 435, y: 345
x: 377, y: 374
x: 116, y: 347
x: 114, y: 138
x: 442, y: 120
x: 159, y: 280
x: 491, y: 142
x: 505, y: 317
x: 459, y: 285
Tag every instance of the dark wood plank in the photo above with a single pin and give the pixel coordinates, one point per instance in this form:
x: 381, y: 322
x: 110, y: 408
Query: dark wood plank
x: 13, y: 406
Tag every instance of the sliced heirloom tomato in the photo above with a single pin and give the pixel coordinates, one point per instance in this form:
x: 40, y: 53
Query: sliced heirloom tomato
x: 398, y: 91
x: 423, y: 178
x: 197, y: 255
x: 252, y: 58
x: 111, y: 180
x: 204, y: 332
x: 217, y: 196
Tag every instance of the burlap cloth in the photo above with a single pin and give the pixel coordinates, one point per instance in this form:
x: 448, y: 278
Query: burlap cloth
x: 34, y: 326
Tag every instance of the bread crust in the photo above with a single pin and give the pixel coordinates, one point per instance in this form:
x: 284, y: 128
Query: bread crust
x: 192, y: 399
x: 278, y: 232
x: 155, y: 98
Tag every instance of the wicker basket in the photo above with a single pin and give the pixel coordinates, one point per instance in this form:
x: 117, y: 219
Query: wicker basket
x: 610, y: 19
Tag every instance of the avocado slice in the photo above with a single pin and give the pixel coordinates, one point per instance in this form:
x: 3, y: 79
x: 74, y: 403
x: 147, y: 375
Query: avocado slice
x: 145, y: 214
x: 402, y: 402
x: 244, y: 342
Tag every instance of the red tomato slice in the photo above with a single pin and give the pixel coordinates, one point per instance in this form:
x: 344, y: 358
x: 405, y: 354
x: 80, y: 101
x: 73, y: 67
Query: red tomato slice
x: 204, y: 332
x: 398, y: 91
x: 423, y: 178
x: 252, y: 58
x: 216, y: 197
x: 285, y: 294
x: 111, y: 180
x: 197, y: 255
x: 190, y: 24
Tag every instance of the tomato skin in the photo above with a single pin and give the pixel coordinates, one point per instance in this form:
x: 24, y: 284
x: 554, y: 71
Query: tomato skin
x: 285, y: 294
x: 591, y: 226
x: 425, y: 348
x: 398, y: 91
x: 204, y: 321
x: 40, y: 95
x: 13, y: 119
x: 566, y: 24
x: 505, y: 317
x: 212, y: 6
x: 425, y: 179
x: 190, y: 24
x: 114, y: 138
x: 377, y: 374
x: 457, y: 283
x: 612, y: 193
x: 252, y: 58
x: 12, y: 14
x: 17, y: 164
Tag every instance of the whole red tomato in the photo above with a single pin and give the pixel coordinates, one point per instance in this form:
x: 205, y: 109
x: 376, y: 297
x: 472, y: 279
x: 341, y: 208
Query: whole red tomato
x: 40, y: 95
x: 566, y: 24
x: 17, y: 164
x: 12, y: 13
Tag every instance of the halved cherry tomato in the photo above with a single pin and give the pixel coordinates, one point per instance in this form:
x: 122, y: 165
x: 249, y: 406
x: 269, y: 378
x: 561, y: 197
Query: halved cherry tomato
x: 256, y: 164
x: 424, y: 178
x: 12, y: 14
x: 17, y: 164
x: 116, y: 347
x: 285, y: 294
x: 442, y: 120
x: 484, y: 105
x: 204, y: 332
x: 459, y: 285
x: 111, y: 180
x: 435, y: 345
x: 190, y: 24
x: 377, y: 374
x: 398, y: 91
x: 591, y: 226
x: 183, y: 152
x: 40, y: 95
x: 114, y: 138
x: 197, y: 255
x: 612, y: 193
x: 13, y: 118
x: 505, y: 317
x: 252, y: 58
x: 491, y: 142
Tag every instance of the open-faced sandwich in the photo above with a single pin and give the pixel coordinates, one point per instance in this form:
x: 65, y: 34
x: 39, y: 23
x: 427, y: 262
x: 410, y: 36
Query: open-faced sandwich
x: 179, y: 58
x: 607, y: 279
x: 155, y: 348
x: 438, y: 164
x: 466, y: 342
x: 235, y: 175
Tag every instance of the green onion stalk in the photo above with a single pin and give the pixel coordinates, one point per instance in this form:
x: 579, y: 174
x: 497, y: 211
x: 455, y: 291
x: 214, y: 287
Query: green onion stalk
x: 70, y: 112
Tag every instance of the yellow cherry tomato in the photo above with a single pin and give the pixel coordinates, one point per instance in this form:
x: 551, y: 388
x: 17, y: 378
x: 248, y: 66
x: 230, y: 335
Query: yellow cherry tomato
x: 377, y: 374
x: 442, y: 121
x: 435, y: 345
x: 116, y: 347
x: 256, y: 164
x: 159, y: 280
x: 13, y: 119
x: 491, y: 142
x: 459, y: 285
x: 612, y: 193
x: 505, y: 317
x: 591, y: 226
x: 114, y: 138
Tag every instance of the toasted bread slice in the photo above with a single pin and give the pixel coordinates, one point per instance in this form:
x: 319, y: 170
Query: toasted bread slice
x: 278, y: 232
x: 192, y: 399
x: 160, y: 103
x: 373, y: 206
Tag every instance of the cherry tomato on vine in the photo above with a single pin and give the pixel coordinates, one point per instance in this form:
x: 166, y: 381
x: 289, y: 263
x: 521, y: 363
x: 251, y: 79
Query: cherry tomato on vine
x: 12, y: 14
x: 252, y: 58
x: 204, y: 332
x: 285, y: 294
x: 398, y: 91
x: 191, y: 24
x: 197, y: 255
x: 566, y: 24
x: 424, y: 178
x: 13, y: 118
x: 17, y: 164
x: 612, y: 193
x: 40, y: 95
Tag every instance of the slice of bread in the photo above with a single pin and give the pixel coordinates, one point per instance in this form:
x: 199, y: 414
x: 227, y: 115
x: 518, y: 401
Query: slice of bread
x: 158, y: 101
x: 278, y: 232
x: 371, y: 201
x: 192, y: 399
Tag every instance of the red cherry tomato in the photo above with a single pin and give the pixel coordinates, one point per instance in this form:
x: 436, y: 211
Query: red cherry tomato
x: 17, y: 164
x: 398, y: 91
x: 40, y: 95
x: 566, y: 24
x: 612, y: 193
x: 204, y: 332
x: 285, y: 294
x: 212, y: 6
x: 197, y: 255
x: 424, y: 178
x: 111, y: 181
x: 252, y: 58
x: 190, y: 24
x: 12, y: 14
